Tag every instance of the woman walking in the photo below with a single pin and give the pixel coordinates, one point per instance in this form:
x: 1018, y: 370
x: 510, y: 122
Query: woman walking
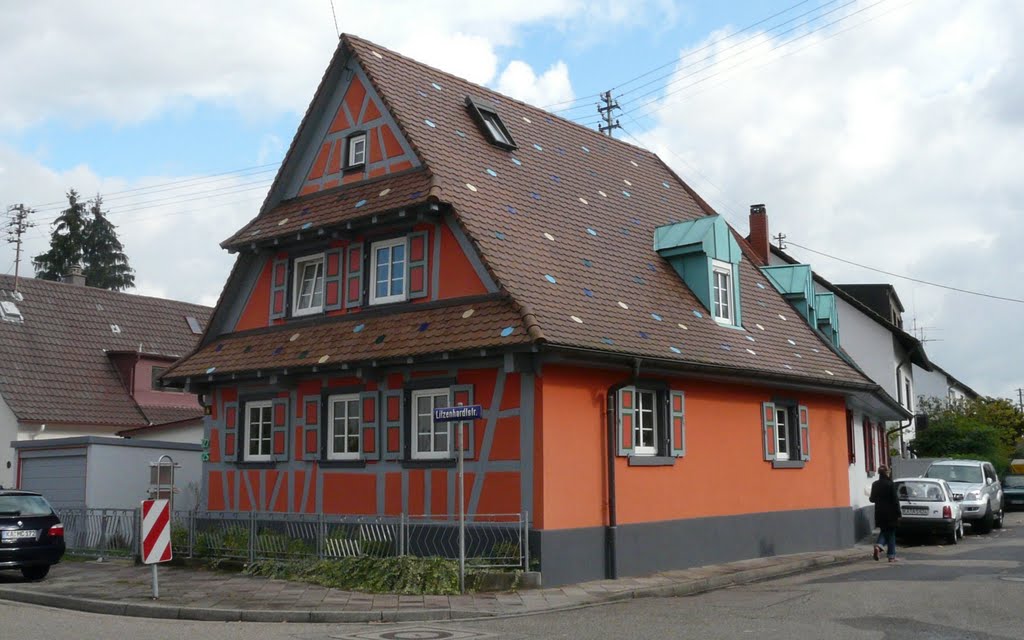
x: 887, y: 512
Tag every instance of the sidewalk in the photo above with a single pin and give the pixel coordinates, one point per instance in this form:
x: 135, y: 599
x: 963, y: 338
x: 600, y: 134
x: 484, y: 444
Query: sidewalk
x: 120, y: 588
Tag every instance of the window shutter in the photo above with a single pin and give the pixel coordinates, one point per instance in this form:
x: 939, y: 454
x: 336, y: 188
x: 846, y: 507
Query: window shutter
x: 232, y: 446
x: 626, y: 407
x: 418, y: 265
x: 368, y: 421
x: 805, y: 433
x: 279, y: 289
x: 768, y: 428
x: 279, y: 430
x: 311, y: 428
x: 869, y: 446
x: 851, y: 439
x: 677, y: 420
x: 394, y: 440
x: 462, y: 394
x: 354, y: 275
x: 332, y: 279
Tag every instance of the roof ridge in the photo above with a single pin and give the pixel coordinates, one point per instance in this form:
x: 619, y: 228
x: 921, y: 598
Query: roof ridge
x: 100, y: 291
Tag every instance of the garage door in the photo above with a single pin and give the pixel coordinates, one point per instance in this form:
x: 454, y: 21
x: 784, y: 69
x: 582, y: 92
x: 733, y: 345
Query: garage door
x: 61, y: 479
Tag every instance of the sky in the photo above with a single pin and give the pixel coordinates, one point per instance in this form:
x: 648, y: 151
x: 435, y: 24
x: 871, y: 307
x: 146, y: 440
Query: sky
x: 884, y: 133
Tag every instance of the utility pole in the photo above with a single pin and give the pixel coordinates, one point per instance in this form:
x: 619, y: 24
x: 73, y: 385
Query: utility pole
x: 610, y: 104
x: 780, y: 240
x: 1020, y: 400
x: 17, y: 224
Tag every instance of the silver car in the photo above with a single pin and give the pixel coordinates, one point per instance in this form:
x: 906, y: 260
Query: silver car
x: 976, y: 487
x: 927, y: 507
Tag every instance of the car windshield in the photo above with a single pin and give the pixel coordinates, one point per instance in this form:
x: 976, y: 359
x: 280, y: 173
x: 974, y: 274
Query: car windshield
x: 920, y: 490
x: 956, y: 473
x: 15, y: 505
x: 1013, y: 481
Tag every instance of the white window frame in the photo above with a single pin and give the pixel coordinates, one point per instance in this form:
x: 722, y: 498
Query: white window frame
x: 352, y: 143
x: 299, y: 268
x: 262, y: 405
x: 649, y: 407
x: 726, y: 269
x: 783, y: 434
x: 389, y: 244
x: 436, y: 427
x: 332, y: 403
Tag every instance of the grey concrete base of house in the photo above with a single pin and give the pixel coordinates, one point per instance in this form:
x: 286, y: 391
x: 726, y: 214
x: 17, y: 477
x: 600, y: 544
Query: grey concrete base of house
x: 120, y: 588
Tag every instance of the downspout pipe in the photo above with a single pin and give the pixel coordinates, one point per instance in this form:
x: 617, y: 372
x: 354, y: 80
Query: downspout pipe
x: 611, y: 529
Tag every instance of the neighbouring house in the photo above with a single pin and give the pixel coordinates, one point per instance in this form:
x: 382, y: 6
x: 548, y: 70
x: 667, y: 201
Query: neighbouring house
x: 80, y: 361
x: 649, y: 398
x: 940, y: 384
x: 864, y: 324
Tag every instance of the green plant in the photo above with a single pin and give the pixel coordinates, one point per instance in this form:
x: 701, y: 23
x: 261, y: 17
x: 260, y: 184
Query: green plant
x: 395, y: 574
x: 506, y: 552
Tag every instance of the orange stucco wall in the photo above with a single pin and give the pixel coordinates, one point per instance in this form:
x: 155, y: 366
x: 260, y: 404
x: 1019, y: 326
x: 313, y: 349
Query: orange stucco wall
x: 723, y: 472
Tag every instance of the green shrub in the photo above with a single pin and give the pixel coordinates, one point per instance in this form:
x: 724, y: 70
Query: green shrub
x: 407, y: 575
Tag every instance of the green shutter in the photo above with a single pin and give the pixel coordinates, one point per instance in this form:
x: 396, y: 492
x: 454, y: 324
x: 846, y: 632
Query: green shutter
x: 805, y: 433
x: 626, y: 412
x: 677, y: 423
x: 768, y: 428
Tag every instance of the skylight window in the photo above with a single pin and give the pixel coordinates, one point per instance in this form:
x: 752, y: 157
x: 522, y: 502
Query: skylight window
x: 490, y: 123
x: 194, y: 325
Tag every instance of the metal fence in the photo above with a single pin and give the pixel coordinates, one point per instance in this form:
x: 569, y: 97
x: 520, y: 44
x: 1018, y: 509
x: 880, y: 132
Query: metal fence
x: 492, y: 540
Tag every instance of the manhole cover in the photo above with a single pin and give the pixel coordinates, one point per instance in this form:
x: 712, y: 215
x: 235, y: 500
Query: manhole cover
x: 416, y: 633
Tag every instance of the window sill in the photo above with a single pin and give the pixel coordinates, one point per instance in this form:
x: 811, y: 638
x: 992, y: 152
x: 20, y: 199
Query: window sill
x: 354, y: 168
x: 256, y: 464
x: 446, y: 463
x: 651, y: 461
x: 788, y: 464
x: 342, y: 464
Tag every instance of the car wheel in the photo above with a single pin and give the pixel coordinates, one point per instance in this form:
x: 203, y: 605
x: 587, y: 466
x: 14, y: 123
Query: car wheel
x: 35, y: 573
x: 953, y: 536
x: 985, y: 524
x: 960, y: 529
x: 998, y: 522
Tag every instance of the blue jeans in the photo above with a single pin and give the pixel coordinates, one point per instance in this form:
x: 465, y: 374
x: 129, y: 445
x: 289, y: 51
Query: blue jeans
x: 887, y: 539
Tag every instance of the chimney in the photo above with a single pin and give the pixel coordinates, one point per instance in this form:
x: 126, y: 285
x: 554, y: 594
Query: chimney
x: 759, y: 237
x: 75, y: 276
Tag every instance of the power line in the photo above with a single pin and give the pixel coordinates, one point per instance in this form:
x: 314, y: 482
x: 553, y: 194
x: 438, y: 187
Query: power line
x: 897, y: 275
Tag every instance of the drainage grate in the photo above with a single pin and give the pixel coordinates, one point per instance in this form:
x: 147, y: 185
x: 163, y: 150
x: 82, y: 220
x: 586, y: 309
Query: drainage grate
x: 416, y: 633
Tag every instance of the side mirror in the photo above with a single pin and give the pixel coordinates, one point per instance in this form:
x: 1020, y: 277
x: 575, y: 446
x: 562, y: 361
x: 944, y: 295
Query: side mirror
x: 958, y: 498
x: 989, y: 481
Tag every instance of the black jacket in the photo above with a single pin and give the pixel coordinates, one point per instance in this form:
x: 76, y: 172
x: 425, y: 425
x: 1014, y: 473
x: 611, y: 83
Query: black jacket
x: 887, y: 503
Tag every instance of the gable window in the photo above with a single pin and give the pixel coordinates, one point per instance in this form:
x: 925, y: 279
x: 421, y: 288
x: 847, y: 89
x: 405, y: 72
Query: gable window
x: 651, y: 427
x: 308, y: 287
x: 487, y: 118
x: 722, y: 304
x: 786, y: 434
x: 343, y: 426
x: 356, y: 151
x: 155, y: 374
x: 258, y: 430
x: 430, y: 440
x: 388, y: 266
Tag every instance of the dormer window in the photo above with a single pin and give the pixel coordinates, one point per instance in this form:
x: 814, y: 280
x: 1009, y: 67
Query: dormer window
x: 308, y: 287
x: 487, y: 118
x: 722, y: 304
x: 356, y: 151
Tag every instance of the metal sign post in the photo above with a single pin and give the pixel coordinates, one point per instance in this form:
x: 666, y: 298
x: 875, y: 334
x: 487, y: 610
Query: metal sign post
x: 155, y: 540
x: 459, y: 414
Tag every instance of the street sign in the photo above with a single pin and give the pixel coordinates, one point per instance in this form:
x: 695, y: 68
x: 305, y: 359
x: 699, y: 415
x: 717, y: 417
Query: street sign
x: 455, y: 414
x: 156, y: 531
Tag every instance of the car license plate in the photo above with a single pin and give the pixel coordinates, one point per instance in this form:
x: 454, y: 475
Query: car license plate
x: 1016, y: 501
x: 11, y: 536
x: 915, y: 511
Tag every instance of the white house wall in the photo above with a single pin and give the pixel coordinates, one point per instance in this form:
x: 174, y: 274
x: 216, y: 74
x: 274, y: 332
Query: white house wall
x: 860, y: 482
x: 8, y: 434
x: 126, y: 488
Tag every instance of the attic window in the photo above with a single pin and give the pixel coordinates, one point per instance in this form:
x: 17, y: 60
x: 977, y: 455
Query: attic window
x: 487, y: 118
x: 10, y: 312
x: 356, y: 151
x: 194, y: 325
x: 115, y: 329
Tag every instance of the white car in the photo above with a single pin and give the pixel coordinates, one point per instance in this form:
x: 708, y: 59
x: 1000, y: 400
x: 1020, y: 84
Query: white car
x: 927, y: 507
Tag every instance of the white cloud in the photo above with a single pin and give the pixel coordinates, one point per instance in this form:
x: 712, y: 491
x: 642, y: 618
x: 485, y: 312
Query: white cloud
x: 553, y: 86
x: 892, y: 145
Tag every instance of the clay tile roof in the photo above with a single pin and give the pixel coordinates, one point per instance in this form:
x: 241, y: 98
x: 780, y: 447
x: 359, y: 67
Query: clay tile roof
x: 309, y: 214
x: 566, y: 223
x: 362, y: 337
x: 54, y: 366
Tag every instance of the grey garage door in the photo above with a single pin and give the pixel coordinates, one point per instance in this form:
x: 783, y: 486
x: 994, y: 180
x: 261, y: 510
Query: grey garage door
x: 61, y: 479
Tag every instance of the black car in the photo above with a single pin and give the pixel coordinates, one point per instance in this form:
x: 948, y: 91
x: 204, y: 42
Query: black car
x: 1013, y: 491
x: 31, y: 535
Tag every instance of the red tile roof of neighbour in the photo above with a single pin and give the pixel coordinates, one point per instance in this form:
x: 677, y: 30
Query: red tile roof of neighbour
x: 566, y: 224
x: 54, y: 366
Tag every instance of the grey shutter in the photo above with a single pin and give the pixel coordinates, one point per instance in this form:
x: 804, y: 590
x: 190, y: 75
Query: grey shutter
x: 279, y: 289
x: 805, y: 433
x: 279, y: 430
x: 369, y: 442
x: 418, y: 265
x: 462, y: 394
x: 393, y: 445
x: 232, y: 433
x: 311, y: 427
x: 768, y: 429
x: 625, y: 407
x: 354, y: 275
x: 334, y: 295
x: 677, y: 423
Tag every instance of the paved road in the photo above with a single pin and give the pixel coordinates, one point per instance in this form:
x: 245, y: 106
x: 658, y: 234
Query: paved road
x: 972, y: 591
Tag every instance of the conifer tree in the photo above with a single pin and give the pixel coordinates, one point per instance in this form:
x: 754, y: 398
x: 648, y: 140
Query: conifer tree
x: 106, y: 265
x: 67, y: 241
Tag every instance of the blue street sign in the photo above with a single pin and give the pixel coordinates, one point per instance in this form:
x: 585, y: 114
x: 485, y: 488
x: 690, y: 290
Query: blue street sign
x: 453, y: 414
